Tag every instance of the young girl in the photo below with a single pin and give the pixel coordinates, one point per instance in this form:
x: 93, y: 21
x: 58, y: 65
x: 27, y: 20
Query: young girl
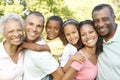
x: 91, y: 46
x: 54, y: 44
x: 70, y: 38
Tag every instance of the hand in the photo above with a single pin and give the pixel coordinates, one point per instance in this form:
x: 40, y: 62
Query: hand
x: 78, y: 57
x: 19, y: 49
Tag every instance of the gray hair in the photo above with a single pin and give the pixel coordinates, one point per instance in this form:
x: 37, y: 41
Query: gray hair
x: 10, y: 16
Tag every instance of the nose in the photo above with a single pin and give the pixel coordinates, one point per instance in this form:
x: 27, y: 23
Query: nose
x: 88, y: 36
x: 52, y: 29
x: 71, y: 36
x: 101, y: 24
x: 16, y: 33
x: 34, y: 28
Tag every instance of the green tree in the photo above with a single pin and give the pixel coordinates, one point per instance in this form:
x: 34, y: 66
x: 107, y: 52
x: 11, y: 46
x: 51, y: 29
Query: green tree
x: 2, y: 7
x: 116, y: 5
x: 15, y: 7
x: 50, y: 7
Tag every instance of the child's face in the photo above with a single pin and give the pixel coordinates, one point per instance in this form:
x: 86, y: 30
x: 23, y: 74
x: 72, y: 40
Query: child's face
x: 71, y: 34
x: 52, y: 29
x: 88, y: 35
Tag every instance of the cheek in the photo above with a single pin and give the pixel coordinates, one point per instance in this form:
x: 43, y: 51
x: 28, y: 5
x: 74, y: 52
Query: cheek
x: 83, y: 39
x: 96, y: 25
x: 77, y: 35
x: 57, y: 32
x: 67, y: 37
x: 39, y: 29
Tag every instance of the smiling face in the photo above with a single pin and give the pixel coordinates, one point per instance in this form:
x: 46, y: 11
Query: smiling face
x: 13, y: 32
x: 33, y: 27
x: 88, y: 35
x: 52, y: 29
x: 104, y: 21
x: 71, y: 34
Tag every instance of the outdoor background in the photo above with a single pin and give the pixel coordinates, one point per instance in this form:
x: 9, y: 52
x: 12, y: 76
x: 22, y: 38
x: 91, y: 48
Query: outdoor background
x: 76, y: 9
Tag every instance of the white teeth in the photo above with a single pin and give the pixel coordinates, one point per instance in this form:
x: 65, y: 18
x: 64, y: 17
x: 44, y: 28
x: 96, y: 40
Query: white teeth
x: 32, y: 34
x: 16, y: 39
x: 89, y: 41
x: 51, y: 34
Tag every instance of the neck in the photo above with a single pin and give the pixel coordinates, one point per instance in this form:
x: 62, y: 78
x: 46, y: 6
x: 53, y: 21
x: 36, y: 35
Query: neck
x: 91, y: 50
x: 108, y: 37
x: 10, y: 49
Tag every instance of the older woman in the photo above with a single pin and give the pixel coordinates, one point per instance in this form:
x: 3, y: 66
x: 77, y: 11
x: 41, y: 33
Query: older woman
x: 11, y: 63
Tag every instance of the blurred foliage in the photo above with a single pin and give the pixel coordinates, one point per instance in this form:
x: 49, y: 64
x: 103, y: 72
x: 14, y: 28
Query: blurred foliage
x: 76, y: 9
x: 50, y: 7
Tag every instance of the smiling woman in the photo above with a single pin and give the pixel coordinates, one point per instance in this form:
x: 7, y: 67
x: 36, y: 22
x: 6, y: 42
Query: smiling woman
x: 11, y: 26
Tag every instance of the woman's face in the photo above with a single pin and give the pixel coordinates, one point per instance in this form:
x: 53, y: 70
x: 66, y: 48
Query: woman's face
x: 88, y: 35
x: 13, y: 32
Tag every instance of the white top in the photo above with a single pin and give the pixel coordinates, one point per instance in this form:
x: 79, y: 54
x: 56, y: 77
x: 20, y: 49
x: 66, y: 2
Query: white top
x: 109, y: 59
x: 8, y: 69
x: 38, y: 64
x: 68, y: 51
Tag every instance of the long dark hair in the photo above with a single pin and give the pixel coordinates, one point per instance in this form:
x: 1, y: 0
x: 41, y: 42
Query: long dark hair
x: 99, y: 47
x: 68, y: 21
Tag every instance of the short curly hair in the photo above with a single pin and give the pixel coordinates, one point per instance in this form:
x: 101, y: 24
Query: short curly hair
x: 12, y: 17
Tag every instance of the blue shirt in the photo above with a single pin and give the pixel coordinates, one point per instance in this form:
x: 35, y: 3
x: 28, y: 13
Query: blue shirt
x: 109, y: 59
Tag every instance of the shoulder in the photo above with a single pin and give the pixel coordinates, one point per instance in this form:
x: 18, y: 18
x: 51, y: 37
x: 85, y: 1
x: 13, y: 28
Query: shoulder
x: 70, y: 47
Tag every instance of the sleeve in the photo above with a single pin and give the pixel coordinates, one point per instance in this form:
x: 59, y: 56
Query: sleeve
x: 77, y: 65
x: 65, y: 56
x: 56, y: 47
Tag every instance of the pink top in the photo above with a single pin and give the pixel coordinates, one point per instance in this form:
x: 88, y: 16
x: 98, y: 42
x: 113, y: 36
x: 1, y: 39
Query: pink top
x: 86, y: 71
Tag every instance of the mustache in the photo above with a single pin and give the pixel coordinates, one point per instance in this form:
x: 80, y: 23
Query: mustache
x: 100, y: 28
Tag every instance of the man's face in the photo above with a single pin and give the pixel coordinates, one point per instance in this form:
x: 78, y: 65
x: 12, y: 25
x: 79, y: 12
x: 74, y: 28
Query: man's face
x: 33, y: 27
x: 104, y: 21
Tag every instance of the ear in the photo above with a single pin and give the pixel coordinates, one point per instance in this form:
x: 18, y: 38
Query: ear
x: 114, y: 17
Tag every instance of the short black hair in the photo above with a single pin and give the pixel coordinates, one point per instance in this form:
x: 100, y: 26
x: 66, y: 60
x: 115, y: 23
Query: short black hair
x: 101, y: 6
x: 56, y: 18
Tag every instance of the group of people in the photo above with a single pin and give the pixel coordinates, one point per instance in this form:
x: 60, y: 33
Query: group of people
x: 71, y: 50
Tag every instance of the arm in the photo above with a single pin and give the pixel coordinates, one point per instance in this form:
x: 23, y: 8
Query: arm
x: 69, y: 75
x: 35, y: 47
x: 58, y: 74
x: 77, y: 57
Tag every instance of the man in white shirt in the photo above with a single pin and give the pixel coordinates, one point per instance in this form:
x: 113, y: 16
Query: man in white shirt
x: 37, y: 65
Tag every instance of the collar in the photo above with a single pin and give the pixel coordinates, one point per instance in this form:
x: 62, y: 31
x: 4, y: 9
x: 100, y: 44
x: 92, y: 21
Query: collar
x: 116, y: 36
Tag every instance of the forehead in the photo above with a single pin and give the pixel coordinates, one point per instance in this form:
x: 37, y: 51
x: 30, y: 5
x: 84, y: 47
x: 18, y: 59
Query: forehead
x: 12, y: 25
x: 54, y: 22
x: 35, y: 19
x: 70, y: 27
x: 86, y: 27
x: 104, y: 12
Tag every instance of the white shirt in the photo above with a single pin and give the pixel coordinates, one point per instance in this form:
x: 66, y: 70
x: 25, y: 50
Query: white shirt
x: 68, y: 51
x: 109, y: 59
x: 38, y: 64
x: 8, y: 69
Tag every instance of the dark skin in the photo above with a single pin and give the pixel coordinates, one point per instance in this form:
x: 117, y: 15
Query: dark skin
x: 105, y: 23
